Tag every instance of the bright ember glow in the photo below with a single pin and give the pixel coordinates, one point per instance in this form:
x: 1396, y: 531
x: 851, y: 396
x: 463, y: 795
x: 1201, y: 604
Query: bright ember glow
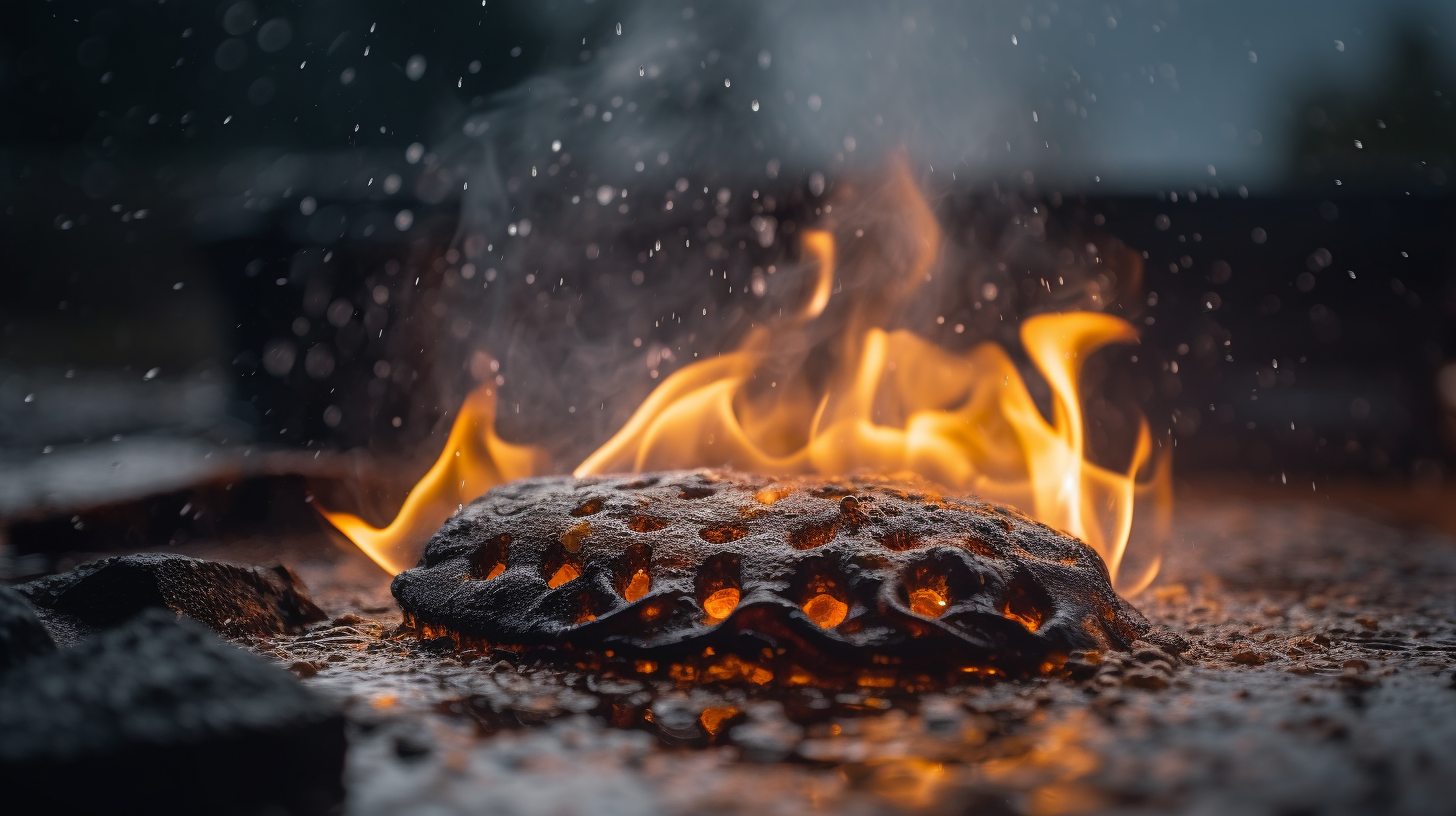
x: 892, y: 403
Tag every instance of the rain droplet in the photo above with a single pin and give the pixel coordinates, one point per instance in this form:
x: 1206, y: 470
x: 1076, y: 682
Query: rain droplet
x: 754, y: 106
x: 415, y: 67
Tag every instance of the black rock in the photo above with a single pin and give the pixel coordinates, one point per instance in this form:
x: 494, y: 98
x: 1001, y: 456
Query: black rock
x: 159, y: 716
x: 229, y: 599
x: 21, y: 634
x: 907, y: 583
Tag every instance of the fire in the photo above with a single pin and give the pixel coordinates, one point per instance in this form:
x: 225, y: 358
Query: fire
x: 892, y: 402
x: 474, y: 461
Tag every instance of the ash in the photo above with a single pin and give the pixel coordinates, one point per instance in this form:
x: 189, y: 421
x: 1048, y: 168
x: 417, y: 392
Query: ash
x: 1320, y: 677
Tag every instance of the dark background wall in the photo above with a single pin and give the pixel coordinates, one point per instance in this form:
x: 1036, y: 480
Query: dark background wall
x: 216, y: 223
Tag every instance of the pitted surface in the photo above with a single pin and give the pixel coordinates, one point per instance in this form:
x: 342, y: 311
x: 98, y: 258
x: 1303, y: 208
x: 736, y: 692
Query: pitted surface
x: 801, y: 578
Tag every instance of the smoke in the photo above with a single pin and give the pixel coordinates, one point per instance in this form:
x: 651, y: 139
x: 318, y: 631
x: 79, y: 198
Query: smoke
x: 641, y: 207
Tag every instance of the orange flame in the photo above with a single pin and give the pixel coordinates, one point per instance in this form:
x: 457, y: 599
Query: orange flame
x: 474, y: 461
x: 892, y: 403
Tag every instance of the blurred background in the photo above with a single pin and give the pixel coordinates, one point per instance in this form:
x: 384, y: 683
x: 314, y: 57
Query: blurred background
x: 249, y: 247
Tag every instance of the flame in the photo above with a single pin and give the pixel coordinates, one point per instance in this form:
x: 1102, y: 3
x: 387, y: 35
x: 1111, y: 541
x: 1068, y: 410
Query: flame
x: 474, y: 461
x: 892, y: 403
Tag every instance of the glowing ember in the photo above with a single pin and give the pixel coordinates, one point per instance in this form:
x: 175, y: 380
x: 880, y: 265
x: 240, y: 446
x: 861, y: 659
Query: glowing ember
x: 565, y: 574
x: 721, y: 604
x: 637, y: 588
x: 714, y: 718
x: 892, y: 402
x: 826, y: 611
x: 927, y: 602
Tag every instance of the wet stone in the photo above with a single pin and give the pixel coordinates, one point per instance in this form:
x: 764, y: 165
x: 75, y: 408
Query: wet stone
x: 231, y: 600
x: 160, y: 716
x: 22, y: 636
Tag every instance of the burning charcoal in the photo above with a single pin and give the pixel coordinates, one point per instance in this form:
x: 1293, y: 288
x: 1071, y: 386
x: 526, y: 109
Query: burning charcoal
x: 231, y: 600
x: 21, y: 634
x: 159, y: 716
x: 719, y: 576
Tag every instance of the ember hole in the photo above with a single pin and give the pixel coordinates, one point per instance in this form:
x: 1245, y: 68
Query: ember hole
x: 633, y: 578
x: 719, y: 587
x: 646, y: 524
x: 564, y: 574
x: 576, y: 534
x: 927, y: 603
x: 931, y: 584
x: 559, y: 566
x: 722, y: 534
x: 1023, y: 608
x: 589, y: 507
x: 721, y: 604
x: 637, y: 587
x: 825, y: 610
x: 695, y: 492
x: 814, y: 535
x: 490, y: 560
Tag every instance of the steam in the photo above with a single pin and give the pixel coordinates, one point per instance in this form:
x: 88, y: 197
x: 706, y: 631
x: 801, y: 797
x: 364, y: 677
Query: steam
x: 642, y: 209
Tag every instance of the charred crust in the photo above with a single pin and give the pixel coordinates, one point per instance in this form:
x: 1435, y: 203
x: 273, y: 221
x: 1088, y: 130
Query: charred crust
x: 721, y: 576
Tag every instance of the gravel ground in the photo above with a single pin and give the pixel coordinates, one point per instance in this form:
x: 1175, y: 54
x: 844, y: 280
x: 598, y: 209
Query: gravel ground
x: 1320, y: 678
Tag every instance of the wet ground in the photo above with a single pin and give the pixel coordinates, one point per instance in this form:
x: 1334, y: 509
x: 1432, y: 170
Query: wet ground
x: 1320, y: 679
